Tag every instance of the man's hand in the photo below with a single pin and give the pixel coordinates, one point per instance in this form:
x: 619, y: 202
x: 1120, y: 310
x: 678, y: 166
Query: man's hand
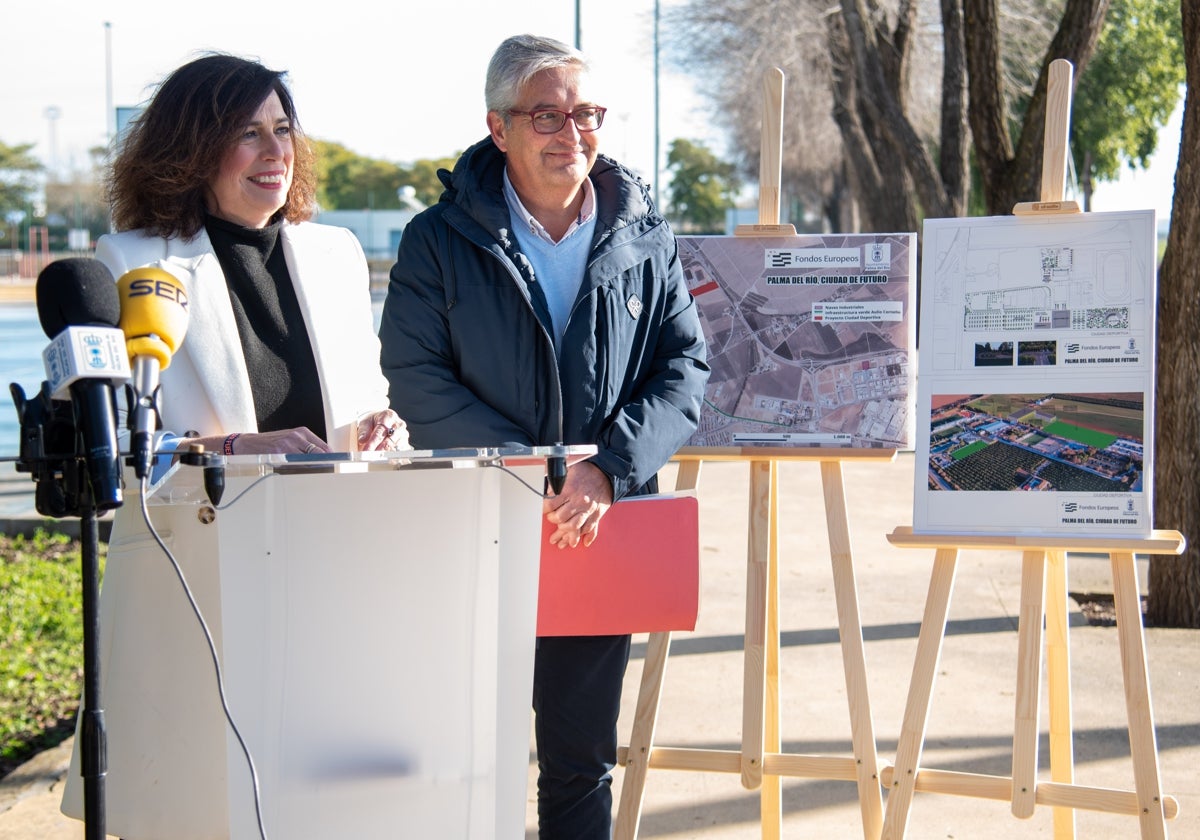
x: 381, y: 431
x: 585, y: 498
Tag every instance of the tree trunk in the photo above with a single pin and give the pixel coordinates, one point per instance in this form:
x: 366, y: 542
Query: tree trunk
x: 870, y: 64
x: 1174, y: 591
x: 1012, y: 167
x: 891, y: 207
x: 953, y: 154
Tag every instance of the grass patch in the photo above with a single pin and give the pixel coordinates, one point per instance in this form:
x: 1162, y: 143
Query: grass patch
x: 968, y: 450
x: 1088, y: 437
x: 41, y: 643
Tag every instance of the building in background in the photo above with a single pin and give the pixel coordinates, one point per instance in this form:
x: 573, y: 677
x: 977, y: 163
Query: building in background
x: 377, y: 230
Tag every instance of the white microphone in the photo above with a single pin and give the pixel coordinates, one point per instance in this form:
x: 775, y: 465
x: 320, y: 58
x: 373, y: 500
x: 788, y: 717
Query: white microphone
x: 154, y: 318
x: 85, y: 353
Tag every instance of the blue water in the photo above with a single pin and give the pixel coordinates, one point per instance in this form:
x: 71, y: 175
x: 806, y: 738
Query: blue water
x: 21, y: 344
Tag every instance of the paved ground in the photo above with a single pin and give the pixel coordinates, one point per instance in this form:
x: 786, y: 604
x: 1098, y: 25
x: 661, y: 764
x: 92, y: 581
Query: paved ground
x: 970, y: 726
x: 17, y: 289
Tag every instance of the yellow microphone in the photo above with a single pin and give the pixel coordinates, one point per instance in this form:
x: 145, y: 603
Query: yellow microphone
x: 154, y: 318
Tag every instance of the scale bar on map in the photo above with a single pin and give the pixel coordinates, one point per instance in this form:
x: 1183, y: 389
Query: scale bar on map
x: 793, y: 439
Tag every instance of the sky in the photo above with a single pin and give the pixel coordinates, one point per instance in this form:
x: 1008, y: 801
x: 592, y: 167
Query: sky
x: 398, y: 80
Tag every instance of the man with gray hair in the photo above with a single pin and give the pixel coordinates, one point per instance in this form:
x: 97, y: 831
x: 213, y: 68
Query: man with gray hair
x: 542, y: 301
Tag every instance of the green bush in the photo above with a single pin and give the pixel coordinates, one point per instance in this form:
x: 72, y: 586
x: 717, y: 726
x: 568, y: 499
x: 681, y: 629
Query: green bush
x: 41, y: 643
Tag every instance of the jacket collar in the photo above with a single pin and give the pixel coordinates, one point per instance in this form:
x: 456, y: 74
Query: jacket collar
x: 476, y: 186
x: 219, y: 363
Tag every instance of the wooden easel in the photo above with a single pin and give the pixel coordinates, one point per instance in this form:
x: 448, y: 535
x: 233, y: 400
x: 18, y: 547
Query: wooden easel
x: 1043, y: 596
x: 760, y: 760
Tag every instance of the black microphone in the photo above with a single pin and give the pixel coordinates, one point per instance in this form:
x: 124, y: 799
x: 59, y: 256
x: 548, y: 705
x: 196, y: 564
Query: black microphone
x: 79, y: 308
x: 193, y: 455
x: 556, y: 470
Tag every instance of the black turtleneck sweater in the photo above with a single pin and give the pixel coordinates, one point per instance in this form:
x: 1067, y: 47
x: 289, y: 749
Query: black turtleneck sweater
x: 279, y: 356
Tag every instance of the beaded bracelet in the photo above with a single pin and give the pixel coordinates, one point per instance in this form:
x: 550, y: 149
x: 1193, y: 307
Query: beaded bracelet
x: 228, y: 445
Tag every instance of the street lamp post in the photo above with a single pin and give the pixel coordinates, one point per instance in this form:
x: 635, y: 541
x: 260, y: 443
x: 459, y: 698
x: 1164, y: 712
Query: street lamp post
x: 110, y: 116
x: 52, y: 114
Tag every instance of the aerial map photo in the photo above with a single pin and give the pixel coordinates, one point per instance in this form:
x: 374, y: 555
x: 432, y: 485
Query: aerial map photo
x: 1066, y: 442
x: 1036, y: 388
x: 809, y: 338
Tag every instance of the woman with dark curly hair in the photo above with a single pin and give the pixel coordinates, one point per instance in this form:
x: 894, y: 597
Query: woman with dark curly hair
x: 159, y: 182
x: 214, y: 184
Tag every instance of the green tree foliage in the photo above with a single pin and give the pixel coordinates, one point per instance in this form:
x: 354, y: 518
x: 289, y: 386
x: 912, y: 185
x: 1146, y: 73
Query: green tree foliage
x: 422, y: 177
x: 349, y: 181
x: 702, y: 188
x: 18, y: 176
x: 1128, y: 90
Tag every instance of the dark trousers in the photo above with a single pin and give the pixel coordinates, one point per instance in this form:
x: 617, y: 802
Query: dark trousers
x: 576, y: 699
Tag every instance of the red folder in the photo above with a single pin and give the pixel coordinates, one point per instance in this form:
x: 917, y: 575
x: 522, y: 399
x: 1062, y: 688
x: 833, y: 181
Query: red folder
x: 641, y: 575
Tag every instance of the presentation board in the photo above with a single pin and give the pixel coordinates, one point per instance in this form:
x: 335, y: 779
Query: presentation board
x: 1035, y: 396
x: 810, y: 339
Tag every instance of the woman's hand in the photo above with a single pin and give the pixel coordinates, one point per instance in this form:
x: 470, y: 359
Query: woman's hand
x: 285, y: 440
x: 263, y: 443
x: 383, y: 430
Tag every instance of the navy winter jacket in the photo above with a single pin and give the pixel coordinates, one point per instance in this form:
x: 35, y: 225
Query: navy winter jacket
x: 469, y: 355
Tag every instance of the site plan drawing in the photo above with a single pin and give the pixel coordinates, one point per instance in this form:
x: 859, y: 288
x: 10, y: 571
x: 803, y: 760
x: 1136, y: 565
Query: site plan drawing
x: 810, y: 339
x: 1035, y: 397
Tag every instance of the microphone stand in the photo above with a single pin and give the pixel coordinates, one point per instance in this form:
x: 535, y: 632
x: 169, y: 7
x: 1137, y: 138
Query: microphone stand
x: 64, y: 488
x: 94, y: 750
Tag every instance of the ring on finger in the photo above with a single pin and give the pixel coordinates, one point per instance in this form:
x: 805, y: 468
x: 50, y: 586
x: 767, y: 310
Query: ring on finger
x: 311, y: 448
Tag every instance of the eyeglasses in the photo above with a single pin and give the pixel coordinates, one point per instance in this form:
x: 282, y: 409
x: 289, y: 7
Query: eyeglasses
x: 551, y: 121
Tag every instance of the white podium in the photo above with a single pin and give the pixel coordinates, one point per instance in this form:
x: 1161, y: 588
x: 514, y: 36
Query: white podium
x: 374, y: 616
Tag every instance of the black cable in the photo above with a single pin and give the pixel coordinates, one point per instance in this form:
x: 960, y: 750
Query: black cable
x: 249, y: 487
x: 528, y: 486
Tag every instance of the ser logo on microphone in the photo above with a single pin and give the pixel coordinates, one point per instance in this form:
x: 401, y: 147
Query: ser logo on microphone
x: 154, y: 319
x: 154, y: 312
x: 169, y: 289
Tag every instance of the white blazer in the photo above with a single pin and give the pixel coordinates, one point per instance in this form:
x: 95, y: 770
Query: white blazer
x: 206, y: 387
x: 166, y: 732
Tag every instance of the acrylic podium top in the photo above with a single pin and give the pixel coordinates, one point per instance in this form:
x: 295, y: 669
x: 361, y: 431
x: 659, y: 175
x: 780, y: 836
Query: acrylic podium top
x: 184, y: 483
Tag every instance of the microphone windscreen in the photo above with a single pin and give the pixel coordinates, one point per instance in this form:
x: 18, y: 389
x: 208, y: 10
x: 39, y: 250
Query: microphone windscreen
x: 153, y: 307
x: 76, y: 292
